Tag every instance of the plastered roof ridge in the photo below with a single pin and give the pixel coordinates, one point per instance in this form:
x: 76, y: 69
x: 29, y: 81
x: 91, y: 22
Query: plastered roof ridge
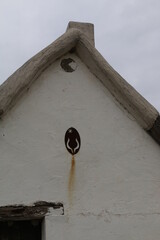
x: 11, y: 90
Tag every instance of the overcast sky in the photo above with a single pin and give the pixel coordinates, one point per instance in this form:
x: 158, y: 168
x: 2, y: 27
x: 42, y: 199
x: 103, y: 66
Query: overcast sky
x: 127, y: 34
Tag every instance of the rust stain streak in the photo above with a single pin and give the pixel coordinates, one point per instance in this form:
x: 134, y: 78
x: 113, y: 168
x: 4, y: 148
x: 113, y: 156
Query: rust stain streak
x: 71, y: 181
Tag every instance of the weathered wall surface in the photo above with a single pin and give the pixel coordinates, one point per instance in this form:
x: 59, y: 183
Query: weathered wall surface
x: 115, y: 191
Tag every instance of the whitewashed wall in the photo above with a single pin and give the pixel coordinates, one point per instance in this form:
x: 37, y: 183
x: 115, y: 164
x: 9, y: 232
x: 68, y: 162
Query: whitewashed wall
x: 116, y: 193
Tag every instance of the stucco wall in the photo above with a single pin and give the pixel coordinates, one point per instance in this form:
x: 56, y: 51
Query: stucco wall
x: 116, y: 182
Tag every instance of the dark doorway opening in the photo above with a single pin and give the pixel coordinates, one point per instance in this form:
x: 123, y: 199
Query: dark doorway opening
x: 21, y: 230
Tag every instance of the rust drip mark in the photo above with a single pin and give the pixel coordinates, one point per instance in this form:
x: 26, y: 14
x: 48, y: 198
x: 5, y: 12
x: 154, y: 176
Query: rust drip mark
x: 73, y: 143
x: 71, y: 181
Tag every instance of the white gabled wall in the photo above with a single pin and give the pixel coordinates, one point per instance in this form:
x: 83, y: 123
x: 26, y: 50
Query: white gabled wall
x: 116, y: 192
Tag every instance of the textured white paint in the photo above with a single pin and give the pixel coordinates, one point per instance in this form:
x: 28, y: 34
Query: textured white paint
x: 117, y: 178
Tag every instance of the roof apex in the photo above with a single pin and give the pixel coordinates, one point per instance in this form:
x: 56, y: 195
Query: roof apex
x: 77, y: 39
x: 85, y: 28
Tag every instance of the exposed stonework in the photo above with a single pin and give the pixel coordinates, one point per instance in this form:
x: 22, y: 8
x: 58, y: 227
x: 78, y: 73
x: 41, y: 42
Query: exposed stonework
x: 21, y: 212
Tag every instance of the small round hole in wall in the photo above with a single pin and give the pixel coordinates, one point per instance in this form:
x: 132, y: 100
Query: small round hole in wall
x: 68, y: 65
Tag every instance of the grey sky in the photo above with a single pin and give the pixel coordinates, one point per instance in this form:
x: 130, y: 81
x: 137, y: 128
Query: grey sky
x: 127, y: 34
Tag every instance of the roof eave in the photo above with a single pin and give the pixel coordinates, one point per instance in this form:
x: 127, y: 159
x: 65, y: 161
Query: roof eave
x: 21, y: 80
x: 124, y: 93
